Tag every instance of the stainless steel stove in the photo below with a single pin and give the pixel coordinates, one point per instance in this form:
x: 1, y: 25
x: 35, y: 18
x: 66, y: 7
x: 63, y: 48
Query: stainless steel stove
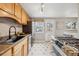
x: 73, y: 42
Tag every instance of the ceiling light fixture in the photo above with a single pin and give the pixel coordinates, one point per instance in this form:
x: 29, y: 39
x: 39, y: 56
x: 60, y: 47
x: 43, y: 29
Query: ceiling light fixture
x: 42, y: 7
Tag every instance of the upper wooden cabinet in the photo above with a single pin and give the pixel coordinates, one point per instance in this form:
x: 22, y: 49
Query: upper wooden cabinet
x: 24, y: 17
x: 5, y: 14
x: 18, y: 11
x: 15, y: 11
x: 8, y: 7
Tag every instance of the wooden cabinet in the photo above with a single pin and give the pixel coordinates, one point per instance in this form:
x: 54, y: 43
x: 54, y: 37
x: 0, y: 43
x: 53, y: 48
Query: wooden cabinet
x: 25, y: 52
x: 7, y: 53
x: 8, y: 7
x: 24, y: 17
x: 25, y: 47
x: 20, y: 49
x: 18, y: 11
x: 18, y: 52
x: 15, y: 11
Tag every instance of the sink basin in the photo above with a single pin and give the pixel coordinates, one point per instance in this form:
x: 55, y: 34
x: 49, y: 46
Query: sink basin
x: 12, y: 40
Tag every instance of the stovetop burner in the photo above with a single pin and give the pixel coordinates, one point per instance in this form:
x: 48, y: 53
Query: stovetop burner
x: 70, y: 41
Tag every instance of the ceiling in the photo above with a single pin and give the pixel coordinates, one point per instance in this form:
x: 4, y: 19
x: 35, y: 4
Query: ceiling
x: 51, y: 9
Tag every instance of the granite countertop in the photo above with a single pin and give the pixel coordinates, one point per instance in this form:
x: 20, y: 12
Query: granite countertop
x: 4, y: 47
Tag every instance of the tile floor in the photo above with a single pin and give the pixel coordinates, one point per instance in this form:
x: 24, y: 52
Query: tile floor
x: 42, y: 49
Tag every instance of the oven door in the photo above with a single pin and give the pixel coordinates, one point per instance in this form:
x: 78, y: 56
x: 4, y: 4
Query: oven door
x: 58, y: 51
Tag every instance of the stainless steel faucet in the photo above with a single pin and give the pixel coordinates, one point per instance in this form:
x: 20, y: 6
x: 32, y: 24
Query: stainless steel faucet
x: 10, y: 31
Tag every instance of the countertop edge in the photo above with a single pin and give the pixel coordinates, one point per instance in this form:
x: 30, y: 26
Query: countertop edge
x: 11, y: 45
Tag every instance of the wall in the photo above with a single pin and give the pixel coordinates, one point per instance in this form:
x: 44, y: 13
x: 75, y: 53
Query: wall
x: 38, y: 35
x: 50, y: 28
x: 77, y: 34
x: 61, y: 28
x: 58, y: 28
x: 47, y: 31
x: 52, y: 9
x: 5, y: 24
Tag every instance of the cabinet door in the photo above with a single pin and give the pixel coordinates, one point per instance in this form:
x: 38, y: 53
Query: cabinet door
x: 17, y: 50
x: 18, y: 11
x: 20, y: 49
x: 18, y: 53
x: 25, y: 50
x: 25, y: 47
x: 24, y: 17
x: 7, y: 53
x: 8, y: 7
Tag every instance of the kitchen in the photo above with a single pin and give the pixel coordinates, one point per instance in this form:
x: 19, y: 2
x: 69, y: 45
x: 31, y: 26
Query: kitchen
x: 39, y: 29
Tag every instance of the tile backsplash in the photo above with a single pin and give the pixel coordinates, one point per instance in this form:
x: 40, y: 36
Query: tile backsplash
x: 5, y: 24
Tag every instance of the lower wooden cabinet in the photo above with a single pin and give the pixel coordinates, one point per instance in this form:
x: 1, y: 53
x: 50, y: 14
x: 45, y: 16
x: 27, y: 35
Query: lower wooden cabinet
x: 7, y: 53
x: 19, y: 49
x: 25, y: 49
x: 18, y: 53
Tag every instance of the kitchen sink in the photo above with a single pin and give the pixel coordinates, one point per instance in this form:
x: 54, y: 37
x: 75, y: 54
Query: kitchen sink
x: 12, y: 40
x: 15, y: 39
